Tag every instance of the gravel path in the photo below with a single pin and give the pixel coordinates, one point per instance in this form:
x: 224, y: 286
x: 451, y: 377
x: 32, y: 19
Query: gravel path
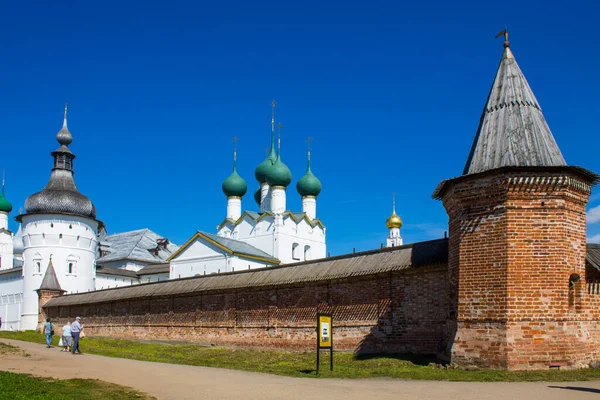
x: 169, y: 381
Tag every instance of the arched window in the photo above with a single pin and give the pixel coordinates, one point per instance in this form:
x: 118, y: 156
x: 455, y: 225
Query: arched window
x: 295, y: 251
x: 37, y: 264
x: 307, y: 252
x: 71, y: 265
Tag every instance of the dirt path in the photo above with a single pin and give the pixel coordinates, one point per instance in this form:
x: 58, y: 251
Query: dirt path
x: 169, y: 381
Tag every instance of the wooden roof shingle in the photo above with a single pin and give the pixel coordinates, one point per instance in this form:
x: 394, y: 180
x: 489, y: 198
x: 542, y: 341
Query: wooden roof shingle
x: 50, y: 281
x: 512, y: 130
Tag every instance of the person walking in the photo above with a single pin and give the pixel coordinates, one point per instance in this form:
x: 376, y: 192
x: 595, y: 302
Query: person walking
x: 49, y: 331
x: 75, y: 332
x: 66, y: 337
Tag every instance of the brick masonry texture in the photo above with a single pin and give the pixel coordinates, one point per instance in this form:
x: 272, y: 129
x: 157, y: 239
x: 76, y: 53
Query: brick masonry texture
x: 516, y: 292
x: 395, y: 312
x: 516, y: 242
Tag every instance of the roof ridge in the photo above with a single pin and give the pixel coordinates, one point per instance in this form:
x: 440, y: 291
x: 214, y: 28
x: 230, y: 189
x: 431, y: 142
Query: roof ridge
x: 138, y: 242
x: 128, y: 232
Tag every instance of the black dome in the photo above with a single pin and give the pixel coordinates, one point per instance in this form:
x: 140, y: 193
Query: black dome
x: 60, y: 196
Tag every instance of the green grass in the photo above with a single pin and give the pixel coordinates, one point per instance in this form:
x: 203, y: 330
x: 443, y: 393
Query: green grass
x: 21, y: 386
x: 300, y: 364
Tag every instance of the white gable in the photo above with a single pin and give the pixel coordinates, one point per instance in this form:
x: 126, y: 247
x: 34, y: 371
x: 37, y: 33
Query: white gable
x: 198, y: 248
x: 201, y: 257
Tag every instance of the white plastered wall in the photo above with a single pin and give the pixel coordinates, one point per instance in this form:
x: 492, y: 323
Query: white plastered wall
x: 6, y: 250
x: 201, y: 258
x: 11, y: 300
x: 68, y: 239
x: 278, y: 241
x: 105, y: 281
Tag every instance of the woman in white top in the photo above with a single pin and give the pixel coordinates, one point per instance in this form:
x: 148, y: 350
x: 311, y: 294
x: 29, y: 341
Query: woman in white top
x: 66, y: 337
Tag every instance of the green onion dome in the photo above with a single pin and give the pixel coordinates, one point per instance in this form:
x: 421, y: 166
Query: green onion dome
x: 309, y: 184
x: 279, y: 174
x: 234, y: 185
x: 261, y: 172
x: 257, y: 196
x: 5, y: 205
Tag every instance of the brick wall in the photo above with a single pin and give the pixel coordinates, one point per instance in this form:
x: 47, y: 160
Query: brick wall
x: 43, y: 297
x: 399, y: 312
x: 515, y: 241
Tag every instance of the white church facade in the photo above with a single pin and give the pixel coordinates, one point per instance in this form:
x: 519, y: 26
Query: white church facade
x: 61, y: 246
x: 272, y: 236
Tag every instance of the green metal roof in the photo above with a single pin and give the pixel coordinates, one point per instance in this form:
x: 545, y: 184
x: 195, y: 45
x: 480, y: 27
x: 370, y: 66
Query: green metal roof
x: 257, y: 196
x: 264, y: 167
x: 5, y: 205
x: 279, y: 174
x: 309, y: 184
x: 234, y: 185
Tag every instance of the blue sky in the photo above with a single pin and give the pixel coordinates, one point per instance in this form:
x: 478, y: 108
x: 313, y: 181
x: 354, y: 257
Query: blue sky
x: 392, y: 93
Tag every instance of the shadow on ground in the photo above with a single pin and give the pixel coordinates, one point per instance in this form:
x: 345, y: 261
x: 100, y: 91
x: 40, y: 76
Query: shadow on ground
x: 577, y: 388
x: 416, y: 359
x: 308, y: 371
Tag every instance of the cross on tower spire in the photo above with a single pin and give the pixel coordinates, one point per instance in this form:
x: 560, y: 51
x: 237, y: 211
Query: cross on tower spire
x: 273, y: 104
x: 308, y: 140
x: 235, y: 139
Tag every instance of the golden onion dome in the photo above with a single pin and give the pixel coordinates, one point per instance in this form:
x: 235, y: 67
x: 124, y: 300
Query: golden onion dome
x: 394, y: 221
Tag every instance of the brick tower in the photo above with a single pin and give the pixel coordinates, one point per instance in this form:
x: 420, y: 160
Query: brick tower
x: 517, y: 242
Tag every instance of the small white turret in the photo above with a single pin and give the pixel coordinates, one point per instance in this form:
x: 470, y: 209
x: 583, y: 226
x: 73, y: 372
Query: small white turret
x: 278, y: 179
x: 235, y: 188
x: 394, y: 223
x: 309, y: 187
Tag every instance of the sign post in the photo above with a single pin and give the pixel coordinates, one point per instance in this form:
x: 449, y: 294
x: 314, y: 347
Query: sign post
x: 325, y: 337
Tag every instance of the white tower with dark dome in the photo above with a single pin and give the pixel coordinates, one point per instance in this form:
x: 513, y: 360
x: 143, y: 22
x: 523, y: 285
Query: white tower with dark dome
x: 59, y: 224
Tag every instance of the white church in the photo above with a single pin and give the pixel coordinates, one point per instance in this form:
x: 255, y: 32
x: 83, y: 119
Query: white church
x: 61, y: 247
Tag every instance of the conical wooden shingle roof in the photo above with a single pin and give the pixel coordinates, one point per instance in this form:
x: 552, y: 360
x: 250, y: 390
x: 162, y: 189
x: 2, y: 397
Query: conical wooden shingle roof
x: 50, y: 281
x: 512, y: 131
